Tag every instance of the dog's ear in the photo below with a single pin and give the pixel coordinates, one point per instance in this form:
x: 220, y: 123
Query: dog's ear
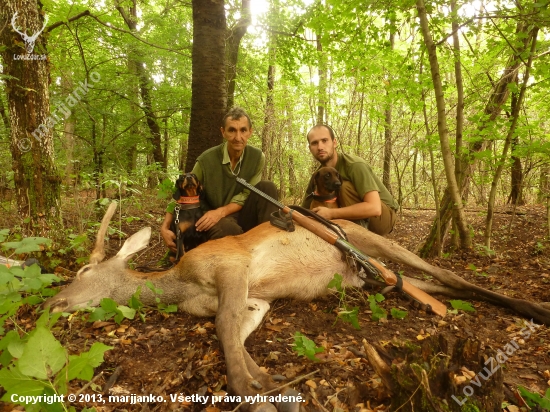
x: 177, y: 193
x: 199, y: 184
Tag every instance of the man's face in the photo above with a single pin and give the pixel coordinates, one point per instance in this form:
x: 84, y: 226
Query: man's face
x: 321, y: 145
x: 236, y: 132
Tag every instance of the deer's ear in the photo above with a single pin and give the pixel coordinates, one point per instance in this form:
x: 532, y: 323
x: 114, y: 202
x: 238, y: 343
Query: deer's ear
x: 138, y: 241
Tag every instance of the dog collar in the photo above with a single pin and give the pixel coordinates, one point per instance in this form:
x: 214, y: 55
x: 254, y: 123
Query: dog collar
x: 188, y: 200
x: 324, y: 198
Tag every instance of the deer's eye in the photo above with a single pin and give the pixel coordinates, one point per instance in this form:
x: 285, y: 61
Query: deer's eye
x: 85, y: 269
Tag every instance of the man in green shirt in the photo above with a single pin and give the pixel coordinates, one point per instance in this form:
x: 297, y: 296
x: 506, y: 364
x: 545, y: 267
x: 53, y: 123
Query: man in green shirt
x: 232, y: 210
x: 363, y: 198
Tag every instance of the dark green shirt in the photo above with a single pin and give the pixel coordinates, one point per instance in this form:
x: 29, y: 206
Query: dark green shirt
x: 213, y: 169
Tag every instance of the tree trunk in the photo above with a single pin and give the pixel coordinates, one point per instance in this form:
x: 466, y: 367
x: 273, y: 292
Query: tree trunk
x: 386, y: 175
x: 516, y: 193
x: 493, y: 108
x: 208, y: 90
x: 432, y: 378
x: 269, y: 114
x: 144, y: 88
x: 234, y: 38
x: 515, y: 114
x: 37, y: 181
x: 322, y: 71
x: 464, y: 233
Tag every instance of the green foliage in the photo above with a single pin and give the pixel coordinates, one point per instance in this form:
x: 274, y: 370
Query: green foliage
x: 484, y: 250
x: 165, y: 189
x: 162, y: 307
x: 304, y: 346
x: 37, y: 364
x: 461, y: 305
x: 346, y: 313
x: 398, y: 314
x: 27, y: 245
x: 377, y: 312
x: 108, y: 309
x: 534, y: 399
x: 135, y: 303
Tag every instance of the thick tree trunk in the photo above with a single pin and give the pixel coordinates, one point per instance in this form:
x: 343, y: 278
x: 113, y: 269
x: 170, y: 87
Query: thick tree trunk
x: 234, y: 38
x: 37, y: 182
x: 208, y: 99
x: 464, y: 233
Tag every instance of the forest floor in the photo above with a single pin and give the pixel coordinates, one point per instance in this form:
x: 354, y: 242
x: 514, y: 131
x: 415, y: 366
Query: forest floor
x: 173, y: 354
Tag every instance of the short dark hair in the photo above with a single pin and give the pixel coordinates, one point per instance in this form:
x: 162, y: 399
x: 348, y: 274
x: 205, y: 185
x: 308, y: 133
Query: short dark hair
x: 326, y: 126
x: 236, y: 113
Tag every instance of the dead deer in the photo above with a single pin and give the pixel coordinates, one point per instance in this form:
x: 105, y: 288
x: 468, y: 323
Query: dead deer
x: 235, y: 278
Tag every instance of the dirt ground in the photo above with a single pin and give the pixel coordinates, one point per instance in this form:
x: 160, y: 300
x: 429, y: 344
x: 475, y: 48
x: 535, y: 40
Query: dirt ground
x: 179, y: 354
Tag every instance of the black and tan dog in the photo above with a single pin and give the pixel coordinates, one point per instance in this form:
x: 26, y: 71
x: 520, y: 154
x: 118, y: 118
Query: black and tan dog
x: 186, y: 213
x: 327, y: 183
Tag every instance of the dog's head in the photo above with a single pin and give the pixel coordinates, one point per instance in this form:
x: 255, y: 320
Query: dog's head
x: 327, y: 181
x: 187, y: 185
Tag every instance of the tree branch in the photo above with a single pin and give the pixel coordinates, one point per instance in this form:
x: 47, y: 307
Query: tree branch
x: 62, y: 22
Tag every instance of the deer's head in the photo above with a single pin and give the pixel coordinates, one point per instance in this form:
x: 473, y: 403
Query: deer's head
x: 100, y: 279
x: 29, y: 40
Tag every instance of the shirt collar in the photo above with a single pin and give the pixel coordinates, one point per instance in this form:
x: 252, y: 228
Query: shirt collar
x: 226, y: 158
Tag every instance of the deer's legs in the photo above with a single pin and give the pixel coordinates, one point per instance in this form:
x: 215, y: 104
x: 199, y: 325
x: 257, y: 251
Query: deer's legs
x: 233, y: 324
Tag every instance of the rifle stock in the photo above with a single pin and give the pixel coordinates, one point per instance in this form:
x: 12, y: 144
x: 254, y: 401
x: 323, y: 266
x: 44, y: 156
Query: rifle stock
x: 331, y: 237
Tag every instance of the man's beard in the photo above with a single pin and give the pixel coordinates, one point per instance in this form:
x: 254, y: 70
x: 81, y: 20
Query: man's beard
x: 328, y: 159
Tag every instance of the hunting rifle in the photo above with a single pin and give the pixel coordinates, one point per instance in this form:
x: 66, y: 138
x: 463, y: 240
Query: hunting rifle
x: 368, y: 263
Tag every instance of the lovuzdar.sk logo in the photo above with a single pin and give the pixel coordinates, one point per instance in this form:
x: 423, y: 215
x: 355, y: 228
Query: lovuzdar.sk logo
x: 29, y: 41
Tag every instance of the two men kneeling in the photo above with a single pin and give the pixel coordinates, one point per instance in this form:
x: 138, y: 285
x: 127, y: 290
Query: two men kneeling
x: 232, y: 210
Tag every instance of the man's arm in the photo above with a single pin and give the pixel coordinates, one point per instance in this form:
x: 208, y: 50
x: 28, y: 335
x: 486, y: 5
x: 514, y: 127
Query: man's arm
x: 371, y: 206
x: 212, y: 217
x: 168, y: 236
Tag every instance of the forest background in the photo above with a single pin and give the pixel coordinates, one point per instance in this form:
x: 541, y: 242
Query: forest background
x: 446, y: 100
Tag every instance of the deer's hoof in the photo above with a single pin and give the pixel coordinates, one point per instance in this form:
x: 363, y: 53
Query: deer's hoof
x: 256, y: 385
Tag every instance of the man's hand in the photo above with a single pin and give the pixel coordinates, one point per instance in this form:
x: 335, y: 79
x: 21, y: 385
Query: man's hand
x: 209, y: 219
x: 324, y: 212
x: 168, y: 236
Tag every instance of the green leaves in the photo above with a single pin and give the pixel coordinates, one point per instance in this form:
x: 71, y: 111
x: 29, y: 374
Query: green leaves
x: 108, y: 309
x: 304, y: 346
x: 377, y: 312
x: 534, y: 399
x: 461, y: 305
x: 43, y: 355
x: 27, y: 245
x: 350, y: 316
x: 398, y: 314
x: 16, y: 382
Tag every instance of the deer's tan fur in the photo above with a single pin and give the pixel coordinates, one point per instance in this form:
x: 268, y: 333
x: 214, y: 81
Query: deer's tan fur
x: 235, y: 278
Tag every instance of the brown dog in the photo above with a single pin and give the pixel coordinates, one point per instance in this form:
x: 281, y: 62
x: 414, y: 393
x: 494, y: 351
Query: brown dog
x: 327, y: 183
x: 187, y: 212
